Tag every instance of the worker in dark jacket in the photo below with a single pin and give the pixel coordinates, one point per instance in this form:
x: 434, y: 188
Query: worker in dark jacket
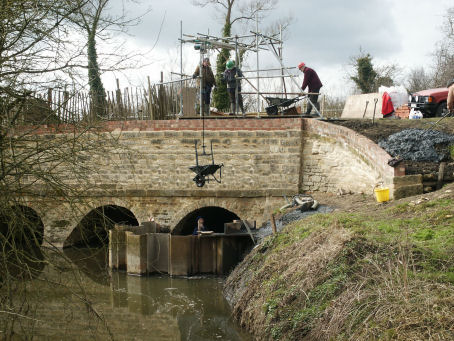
x: 207, y: 83
x: 230, y: 77
x: 312, y: 81
x: 200, y: 226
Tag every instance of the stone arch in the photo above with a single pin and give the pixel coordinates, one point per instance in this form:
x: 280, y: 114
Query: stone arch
x: 214, y: 216
x: 21, y: 237
x: 94, y: 226
x: 23, y: 224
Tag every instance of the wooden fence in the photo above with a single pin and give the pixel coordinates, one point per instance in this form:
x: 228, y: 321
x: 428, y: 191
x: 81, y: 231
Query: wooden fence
x: 155, y: 102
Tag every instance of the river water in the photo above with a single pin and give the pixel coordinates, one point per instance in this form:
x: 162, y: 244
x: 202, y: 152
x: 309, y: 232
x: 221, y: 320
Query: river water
x: 79, y: 300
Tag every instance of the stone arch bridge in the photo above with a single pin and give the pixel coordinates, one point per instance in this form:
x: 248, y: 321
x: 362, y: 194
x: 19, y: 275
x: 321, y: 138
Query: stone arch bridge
x: 145, y: 171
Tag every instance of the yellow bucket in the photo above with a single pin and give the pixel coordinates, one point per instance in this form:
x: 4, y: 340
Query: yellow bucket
x: 382, y: 194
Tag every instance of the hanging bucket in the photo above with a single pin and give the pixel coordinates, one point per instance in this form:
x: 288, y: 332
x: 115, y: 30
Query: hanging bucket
x: 382, y: 194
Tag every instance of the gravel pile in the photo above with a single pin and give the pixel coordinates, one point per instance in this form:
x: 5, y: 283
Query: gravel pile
x: 418, y: 145
x: 266, y: 230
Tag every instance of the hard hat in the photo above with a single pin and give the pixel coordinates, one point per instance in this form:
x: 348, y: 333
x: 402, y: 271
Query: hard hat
x: 301, y: 65
x: 230, y: 64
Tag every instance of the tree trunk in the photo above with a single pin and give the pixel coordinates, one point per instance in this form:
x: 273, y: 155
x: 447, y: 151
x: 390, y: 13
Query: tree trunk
x: 220, y: 96
x: 97, y: 92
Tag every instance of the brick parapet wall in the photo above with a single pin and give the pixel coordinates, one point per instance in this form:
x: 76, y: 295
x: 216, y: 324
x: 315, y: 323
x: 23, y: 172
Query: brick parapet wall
x: 221, y: 123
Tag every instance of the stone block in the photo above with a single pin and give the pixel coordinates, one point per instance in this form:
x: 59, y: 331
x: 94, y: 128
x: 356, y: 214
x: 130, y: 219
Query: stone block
x: 407, y: 180
x: 136, y: 254
x: 407, y: 191
x: 158, y: 252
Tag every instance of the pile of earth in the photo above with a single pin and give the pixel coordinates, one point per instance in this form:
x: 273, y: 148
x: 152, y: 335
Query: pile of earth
x: 381, y: 129
x: 419, y: 145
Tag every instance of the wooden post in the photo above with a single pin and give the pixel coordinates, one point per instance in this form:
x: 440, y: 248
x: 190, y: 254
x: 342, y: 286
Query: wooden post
x: 49, y: 99
x: 441, y: 174
x: 323, y: 104
x: 118, y: 95
x: 65, y: 106
x: 150, y: 99
x: 273, y: 224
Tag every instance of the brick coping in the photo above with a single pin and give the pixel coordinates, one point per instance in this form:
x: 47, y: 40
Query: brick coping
x: 212, y: 123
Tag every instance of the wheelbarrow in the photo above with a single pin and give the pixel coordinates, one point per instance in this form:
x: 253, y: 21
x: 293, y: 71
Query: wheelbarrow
x: 278, y: 105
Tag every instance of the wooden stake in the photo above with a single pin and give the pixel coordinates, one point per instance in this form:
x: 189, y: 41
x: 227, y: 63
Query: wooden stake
x: 441, y: 174
x: 150, y: 100
x: 273, y: 224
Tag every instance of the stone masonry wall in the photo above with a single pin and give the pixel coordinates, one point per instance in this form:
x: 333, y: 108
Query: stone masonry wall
x: 144, y: 167
x: 339, y: 158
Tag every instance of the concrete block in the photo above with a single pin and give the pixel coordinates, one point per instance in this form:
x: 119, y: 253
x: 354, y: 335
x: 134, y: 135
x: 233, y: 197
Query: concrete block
x: 206, y: 254
x: 355, y: 105
x: 180, y: 255
x: 121, y: 250
x: 158, y: 252
x: 113, y: 249
x: 232, y: 227
x: 136, y: 256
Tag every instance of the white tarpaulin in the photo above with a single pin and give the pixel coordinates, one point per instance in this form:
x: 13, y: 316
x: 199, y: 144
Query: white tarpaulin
x: 398, y: 94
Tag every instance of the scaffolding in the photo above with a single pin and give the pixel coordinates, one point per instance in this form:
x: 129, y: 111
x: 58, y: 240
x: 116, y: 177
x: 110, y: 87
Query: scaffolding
x: 253, y: 42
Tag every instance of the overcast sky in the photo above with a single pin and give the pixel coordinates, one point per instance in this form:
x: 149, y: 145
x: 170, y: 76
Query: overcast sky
x: 324, y: 34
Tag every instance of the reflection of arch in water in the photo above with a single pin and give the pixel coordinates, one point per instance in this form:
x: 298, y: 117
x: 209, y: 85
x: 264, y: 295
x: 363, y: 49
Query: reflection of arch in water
x: 21, y: 237
x: 214, y: 217
x: 93, y: 228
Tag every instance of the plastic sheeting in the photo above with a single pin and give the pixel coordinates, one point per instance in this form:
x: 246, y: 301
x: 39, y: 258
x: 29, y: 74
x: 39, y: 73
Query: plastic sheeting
x: 398, y: 94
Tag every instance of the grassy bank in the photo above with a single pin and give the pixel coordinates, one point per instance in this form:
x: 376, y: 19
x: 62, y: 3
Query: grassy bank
x: 383, y: 273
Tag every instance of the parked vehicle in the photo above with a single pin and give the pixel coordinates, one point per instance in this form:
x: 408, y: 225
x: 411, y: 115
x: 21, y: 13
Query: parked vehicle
x: 431, y: 102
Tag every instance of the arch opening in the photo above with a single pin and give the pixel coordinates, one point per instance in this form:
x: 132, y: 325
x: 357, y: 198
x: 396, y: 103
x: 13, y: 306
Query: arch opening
x: 21, y: 237
x: 214, y: 217
x: 93, y: 229
x: 21, y: 225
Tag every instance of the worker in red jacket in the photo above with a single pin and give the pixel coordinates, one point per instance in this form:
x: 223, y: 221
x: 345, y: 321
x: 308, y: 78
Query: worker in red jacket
x: 312, y: 81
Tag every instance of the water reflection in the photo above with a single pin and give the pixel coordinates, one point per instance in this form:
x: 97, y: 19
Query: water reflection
x: 20, y: 262
x: 173, y: 308
x: 91, y: 261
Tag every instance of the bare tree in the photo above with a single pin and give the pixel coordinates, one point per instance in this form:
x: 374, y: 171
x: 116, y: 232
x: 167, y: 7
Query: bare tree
x: 444, y: 54
x: 418, y: 79
x: 36, y: 52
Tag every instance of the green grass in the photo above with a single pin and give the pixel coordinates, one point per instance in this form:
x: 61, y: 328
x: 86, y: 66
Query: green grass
x: 418, y: 239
